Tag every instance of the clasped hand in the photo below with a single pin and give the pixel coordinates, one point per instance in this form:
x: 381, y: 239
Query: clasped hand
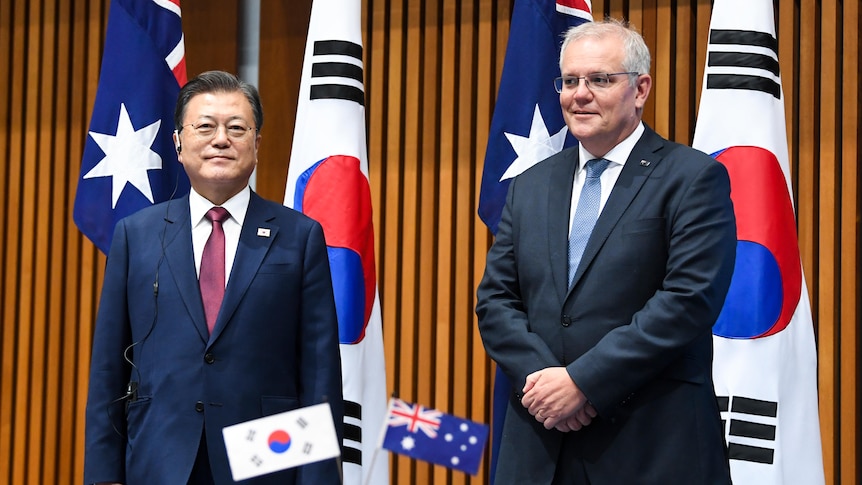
x: 553, y: 398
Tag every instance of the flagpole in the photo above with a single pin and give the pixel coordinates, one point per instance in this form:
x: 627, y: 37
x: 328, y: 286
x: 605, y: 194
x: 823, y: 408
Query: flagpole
x: 371, y: 466
x: 248, y: 64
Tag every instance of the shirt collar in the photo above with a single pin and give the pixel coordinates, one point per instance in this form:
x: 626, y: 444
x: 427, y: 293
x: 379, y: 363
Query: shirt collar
x: 236, y: 205
x: 618, y: 154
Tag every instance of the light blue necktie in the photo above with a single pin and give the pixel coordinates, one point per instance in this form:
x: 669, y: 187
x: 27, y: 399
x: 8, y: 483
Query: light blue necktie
x: 586, y: 213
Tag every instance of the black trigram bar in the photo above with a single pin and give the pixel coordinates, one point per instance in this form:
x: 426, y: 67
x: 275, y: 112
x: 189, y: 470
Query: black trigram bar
x: 744, y: 37
x: 338, y: 91
x: 352, y: 433
x: 755, y: 454
x: 757, y: 407
x: 740, y: 428
x: 338, y: 48
x: 749, y: 429
x: 336, y: 69
x: 743, y: 59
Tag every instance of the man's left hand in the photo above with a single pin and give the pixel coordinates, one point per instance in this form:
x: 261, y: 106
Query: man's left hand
x: 551, y: 396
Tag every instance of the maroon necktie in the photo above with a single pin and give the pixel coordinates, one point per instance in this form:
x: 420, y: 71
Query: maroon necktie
x: 212, y: 267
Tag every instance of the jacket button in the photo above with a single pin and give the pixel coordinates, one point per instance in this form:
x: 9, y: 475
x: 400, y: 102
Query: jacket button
x: 209, y: 358
x: 199, y: 407
x: 566, y: 320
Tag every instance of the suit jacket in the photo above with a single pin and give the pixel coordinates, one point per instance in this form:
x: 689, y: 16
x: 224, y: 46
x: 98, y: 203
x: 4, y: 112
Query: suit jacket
x: 634, y: 331
x: 274, y: 347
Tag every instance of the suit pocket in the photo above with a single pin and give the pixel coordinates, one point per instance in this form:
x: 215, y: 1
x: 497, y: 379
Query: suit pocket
x: 277, y: 268
x: 136, y: 412
x: 270, y: 405
x: 644, y: 225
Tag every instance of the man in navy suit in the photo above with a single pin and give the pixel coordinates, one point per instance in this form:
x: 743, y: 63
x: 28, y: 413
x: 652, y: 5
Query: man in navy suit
x: 608, y: 342
x: 171, y: 365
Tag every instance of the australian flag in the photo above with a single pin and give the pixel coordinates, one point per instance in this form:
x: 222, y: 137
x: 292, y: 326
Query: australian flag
x: 129, y: 159
x: 528, y: 124
x: 434, y: 436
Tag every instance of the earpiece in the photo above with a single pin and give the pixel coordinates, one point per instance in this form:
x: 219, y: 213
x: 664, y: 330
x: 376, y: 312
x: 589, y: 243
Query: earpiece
x: 177, y: 143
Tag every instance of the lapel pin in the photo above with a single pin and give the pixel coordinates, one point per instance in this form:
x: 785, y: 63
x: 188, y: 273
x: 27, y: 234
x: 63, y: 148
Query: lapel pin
x: 644, y: 163
x: 263, y: 231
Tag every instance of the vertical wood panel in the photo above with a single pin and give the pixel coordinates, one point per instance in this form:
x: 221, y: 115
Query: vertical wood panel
x: 828, y: 230
x: 24, y: 254
x: 663, y: 59
x: 9, y: 69
x: 283, y: 30
x: 42, y: 134
x: 848, y: 255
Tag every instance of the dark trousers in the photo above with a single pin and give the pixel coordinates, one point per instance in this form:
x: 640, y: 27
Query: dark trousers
x: 201, y: 472
x: 570, y: 470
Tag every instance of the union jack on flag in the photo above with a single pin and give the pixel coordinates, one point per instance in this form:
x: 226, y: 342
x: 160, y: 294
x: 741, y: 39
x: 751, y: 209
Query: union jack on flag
x: 444, y: 439
x: 415, y: 417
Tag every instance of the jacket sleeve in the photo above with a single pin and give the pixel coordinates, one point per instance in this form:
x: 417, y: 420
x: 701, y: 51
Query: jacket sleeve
x: 105, y: 442
x: 320, y: 373
x: 503, y: 321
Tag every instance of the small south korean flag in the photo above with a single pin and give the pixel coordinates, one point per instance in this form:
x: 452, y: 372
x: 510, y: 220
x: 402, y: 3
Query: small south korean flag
x: 281, y: 441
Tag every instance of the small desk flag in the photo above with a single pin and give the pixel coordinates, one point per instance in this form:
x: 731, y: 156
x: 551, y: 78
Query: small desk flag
x: 434, y: 436
x: 281, y: 441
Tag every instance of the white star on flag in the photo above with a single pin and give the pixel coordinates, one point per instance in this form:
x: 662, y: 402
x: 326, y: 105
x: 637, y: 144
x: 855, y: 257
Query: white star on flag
x: 408, y: 443
x: 535, y: 148
x: 128, y: 156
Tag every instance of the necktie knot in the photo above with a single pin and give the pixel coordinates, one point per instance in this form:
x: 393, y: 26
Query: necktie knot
x: 217, y: 214
x: 596, y: 166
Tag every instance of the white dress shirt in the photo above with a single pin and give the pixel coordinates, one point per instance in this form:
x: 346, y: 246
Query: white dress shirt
x: 237, y: 206
x: 617, y: 158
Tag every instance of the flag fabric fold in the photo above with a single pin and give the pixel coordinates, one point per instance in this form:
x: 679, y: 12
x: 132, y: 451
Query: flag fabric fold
x: 434, y: 436
x: 527, y: 125
x: 765, y: 363
x: 281, y: 441
x: 328, y: 180
x: 129, y: 160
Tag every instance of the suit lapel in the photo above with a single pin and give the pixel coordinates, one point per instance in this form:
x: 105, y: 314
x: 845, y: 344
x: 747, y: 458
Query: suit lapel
x: 181, y: 260
x: 559, y: 205
x: 250, y: 252
x: 640, y: 164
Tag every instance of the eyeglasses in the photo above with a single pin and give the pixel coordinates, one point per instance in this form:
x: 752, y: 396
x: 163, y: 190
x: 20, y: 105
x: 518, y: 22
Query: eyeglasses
x: 206, y: 130
x: 594, y: 82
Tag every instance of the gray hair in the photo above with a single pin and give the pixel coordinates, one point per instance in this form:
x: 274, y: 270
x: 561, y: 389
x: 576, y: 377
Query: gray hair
x: 217, y: 82
x: 636, y: 56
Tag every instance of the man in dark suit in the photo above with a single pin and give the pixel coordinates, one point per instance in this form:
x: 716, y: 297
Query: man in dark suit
x: 605, y: 331
x: 187, y: 343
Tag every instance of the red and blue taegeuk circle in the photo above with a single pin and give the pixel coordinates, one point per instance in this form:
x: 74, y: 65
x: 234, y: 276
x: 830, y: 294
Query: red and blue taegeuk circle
x: 767, y: 278
x: 278, y: 441
x: 335, y: 192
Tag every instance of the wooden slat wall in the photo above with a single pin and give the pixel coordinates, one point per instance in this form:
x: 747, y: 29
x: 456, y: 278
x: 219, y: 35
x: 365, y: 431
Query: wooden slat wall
x: 432, y: 68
